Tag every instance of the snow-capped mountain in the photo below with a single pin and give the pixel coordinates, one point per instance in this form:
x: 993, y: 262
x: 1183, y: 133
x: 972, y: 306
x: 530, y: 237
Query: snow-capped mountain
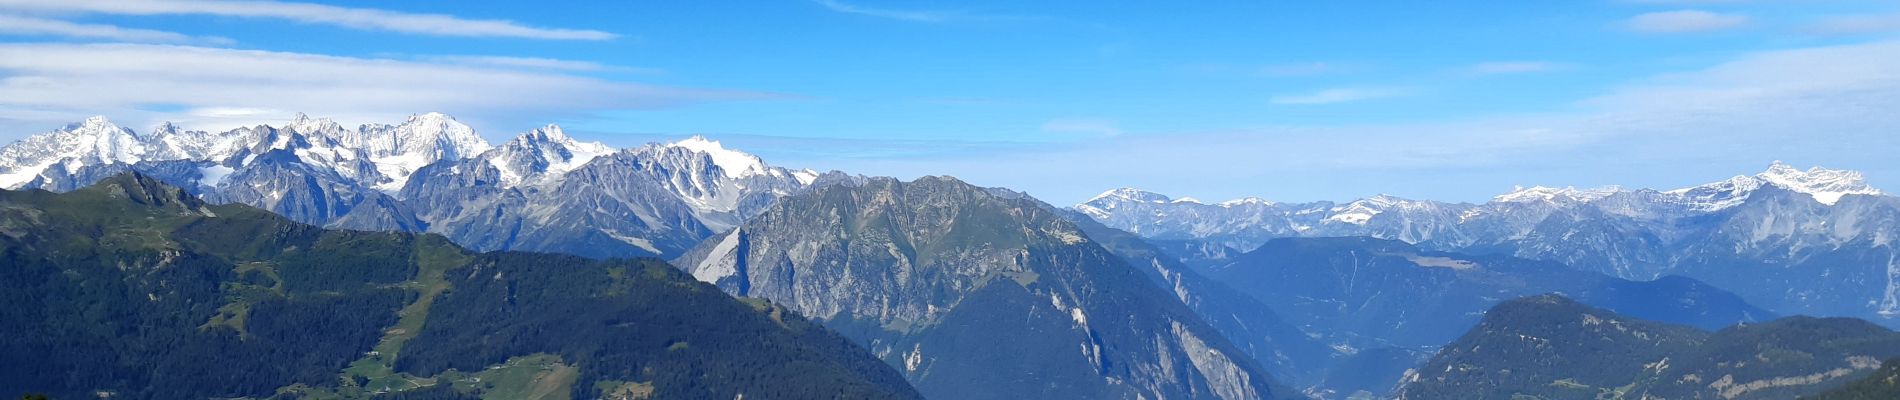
x: 1242, y: 224
x: 1236, y: 223
x: 1563, y: 195
x: 90, y: 142
x: 1815, y: 241
x: 539, y: 154
x: 432, y: 173
x: 1824, y: 185
x: 399, y: 150
x: 394, y: 151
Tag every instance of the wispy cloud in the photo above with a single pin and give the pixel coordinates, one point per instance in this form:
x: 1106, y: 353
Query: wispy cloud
x: 1096, y: 127
x: 533, y: 63
x: 1336, y: 95
x: 1303, y: 69
x: 21, y: 25
x: 906, y: 15
x: 83, y: 80
x: 1684, y: 1
x: 1856, y: 24
x: 925, y: 16
x: 355, y: 18
x: 1513, y: 67
x: 1278, y: 70
x: 1684, y: 21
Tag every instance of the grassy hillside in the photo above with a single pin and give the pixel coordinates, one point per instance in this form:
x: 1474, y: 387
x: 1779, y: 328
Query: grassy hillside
x: 138, y: 290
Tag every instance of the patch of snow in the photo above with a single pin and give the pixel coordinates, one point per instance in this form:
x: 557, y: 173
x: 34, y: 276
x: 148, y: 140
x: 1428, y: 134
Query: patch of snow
x: 20, y: 176
x: 213, y: 175
x: 805, y: 176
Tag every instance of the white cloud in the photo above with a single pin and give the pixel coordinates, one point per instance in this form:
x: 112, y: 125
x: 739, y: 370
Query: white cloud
x: 355, y: 18
x: 1684, y: 21
x: 79, y: 80
x: 1856, y: 24
x: 906, y: 15
x: 1096, y: 127
x: 20, y: 25
x: 1512, y: 67
x: 1335, y: 95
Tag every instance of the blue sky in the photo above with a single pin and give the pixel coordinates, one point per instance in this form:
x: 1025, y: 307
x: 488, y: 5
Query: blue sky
x: 1286, y: 100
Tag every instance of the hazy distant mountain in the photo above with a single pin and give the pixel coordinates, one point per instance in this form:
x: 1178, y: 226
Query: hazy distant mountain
x: 542, y: 191
x: 134, y: 289
x: 977, y: 294
x: 1793, y: 241
x: 1374, y: 292
x: 1397, y: 303
x: 1553, y: 348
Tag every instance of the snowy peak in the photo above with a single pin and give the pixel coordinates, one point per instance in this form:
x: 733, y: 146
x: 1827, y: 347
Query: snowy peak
x: 551, y: 136
x: 100, y: 125
x: 1128, y: 195
x: 398, y: 151
x: 541, y: 152
x: 735, y: 164
x: 1826, y: 185
x: 546, y: 134
x: 1522, y: 194
x: 431, y: 136
x: 1361, y: 211
x: 95, y: 140
x: 314, y: 126
x: 439, y: 134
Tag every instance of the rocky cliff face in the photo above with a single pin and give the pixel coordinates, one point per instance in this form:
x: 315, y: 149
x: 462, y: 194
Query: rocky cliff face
x: 976, y: 295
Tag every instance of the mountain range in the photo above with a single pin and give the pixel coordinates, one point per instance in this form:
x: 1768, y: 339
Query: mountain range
x: 1792, y: 241
x: 541, y: 191
x: 957, y: 290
